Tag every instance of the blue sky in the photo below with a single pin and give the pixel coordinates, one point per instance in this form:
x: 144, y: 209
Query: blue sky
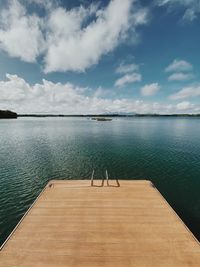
x: 81, y: 57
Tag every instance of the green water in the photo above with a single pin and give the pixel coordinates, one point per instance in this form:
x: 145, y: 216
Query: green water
x: 163, y: 150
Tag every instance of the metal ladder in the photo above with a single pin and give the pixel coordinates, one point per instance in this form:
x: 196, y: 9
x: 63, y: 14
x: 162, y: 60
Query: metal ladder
x: 102, y: 181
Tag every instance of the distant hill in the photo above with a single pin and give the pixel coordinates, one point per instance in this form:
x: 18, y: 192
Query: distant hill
x: 7, y: 114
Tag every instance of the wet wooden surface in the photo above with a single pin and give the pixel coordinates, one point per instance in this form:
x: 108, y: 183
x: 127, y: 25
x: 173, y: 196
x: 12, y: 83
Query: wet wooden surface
x: 74, y: 224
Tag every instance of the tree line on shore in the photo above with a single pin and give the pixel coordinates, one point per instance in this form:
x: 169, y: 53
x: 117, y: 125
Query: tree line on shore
x: 7, y: 114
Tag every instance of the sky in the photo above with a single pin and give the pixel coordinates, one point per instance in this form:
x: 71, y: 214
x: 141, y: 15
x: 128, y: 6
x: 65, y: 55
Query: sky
x: 92, y: 57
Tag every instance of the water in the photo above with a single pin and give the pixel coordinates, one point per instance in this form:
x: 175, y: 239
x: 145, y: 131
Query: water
x: 35, y: 150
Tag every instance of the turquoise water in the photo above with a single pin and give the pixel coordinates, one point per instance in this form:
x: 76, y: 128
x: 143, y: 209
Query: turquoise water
x: 163, y: 150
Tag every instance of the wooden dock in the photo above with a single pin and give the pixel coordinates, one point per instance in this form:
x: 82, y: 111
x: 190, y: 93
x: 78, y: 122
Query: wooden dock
x: 73, y: 224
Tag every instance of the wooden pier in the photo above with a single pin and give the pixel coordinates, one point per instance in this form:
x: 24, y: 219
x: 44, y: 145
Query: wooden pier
x: 73, y: 224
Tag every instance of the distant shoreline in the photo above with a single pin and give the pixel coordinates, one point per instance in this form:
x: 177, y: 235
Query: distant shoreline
x: 108, y: 115
x: 7, y: 114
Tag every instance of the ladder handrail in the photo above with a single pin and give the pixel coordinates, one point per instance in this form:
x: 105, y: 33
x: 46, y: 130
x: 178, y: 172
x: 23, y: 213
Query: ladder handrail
x: 102, y: 183
x: 107, y: 178
x: 92, y: 178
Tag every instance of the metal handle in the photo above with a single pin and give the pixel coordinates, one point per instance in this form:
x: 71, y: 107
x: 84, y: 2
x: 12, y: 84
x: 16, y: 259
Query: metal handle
x: 107, y: 178
x: 92, y: 181
x: 92, y: 178
x: 102, y: 183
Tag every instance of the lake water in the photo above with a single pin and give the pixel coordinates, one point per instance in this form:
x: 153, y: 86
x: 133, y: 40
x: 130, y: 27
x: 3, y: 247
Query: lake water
x: 163, y: 150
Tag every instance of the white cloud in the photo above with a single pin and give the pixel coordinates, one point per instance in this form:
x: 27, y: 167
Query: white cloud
x: 128, y: 78
x: 126, y: 68
x: 187, y: 92
x: 181, y: 70
x: 180, y: 76
x: 15, y: 89
x: 150, y: 89
x: 130, y: 72
x: 72, y: 39
x: 178, y: 66
x: 185, y: 105
x: 78, y: 47
x: 20, y: 33
x: 191, y: 8
x: 45, y: 97
x: 48, y: 97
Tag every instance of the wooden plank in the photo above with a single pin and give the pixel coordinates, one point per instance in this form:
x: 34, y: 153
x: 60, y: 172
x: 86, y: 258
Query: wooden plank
x: 74, y: 224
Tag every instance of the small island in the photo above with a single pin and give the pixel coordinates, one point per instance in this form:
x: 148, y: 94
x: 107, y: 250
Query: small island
x: 7, y: 114
x: 101, y: 119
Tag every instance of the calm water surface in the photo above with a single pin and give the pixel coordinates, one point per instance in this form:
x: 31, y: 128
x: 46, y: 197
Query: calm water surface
x: 163, y: 150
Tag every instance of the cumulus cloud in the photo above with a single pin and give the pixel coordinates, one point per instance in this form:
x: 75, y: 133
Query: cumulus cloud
x: 187, y: 92
x: 126, y: 68
x: 181, y: 70
x: 20, y: 33
x: 131, y: 74
x: 191, y: 8
x: 48, y: 97
x: 14, y: 89
x: 179, y: 65
x: 150, y: 89
x: 79, y: 47
x: 180, y: 76
x: 185, y: 105
x: 128, y: 78
x: 68, y: 39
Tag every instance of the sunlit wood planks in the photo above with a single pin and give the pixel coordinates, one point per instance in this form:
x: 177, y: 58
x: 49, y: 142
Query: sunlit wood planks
x: 74, y: 224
